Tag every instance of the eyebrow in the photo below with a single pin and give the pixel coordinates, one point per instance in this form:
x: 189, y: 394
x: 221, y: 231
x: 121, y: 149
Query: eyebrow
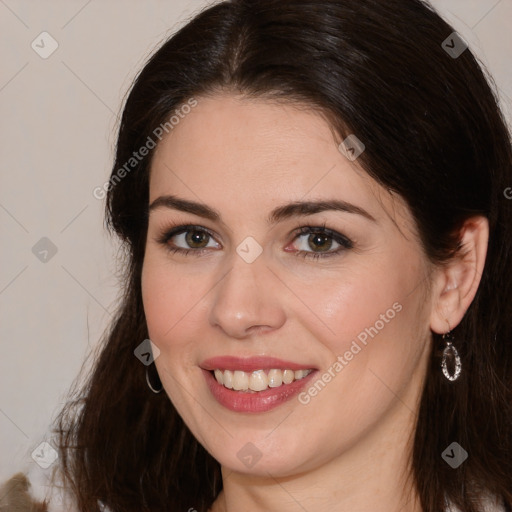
x: 297, y: 208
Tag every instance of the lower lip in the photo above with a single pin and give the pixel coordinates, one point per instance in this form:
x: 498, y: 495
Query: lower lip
x: 260, y: 401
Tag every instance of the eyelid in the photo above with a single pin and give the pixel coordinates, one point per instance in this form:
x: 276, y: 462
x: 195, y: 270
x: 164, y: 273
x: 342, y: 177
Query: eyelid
x: 177, y: 229
x: 335, y: 235
x: 169, y: 232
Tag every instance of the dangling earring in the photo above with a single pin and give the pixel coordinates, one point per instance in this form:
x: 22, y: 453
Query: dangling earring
x: 450, y: 352
x: 157, y: 386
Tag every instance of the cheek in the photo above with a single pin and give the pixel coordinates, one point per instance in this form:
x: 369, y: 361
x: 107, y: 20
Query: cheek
x: 156, y: 300
x: 375, y: 341
x: 374, y: 317
x: 357, y: 300
x: 172, y: 300
x: 163, y: 296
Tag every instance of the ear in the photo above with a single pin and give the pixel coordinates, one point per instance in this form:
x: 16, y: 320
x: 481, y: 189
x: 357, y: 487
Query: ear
x: 456, y: 282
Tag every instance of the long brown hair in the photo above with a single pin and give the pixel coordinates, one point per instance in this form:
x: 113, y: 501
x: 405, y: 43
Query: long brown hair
x: 434, y: 134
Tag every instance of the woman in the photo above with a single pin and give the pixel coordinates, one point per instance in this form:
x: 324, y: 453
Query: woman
x: 372, y: 372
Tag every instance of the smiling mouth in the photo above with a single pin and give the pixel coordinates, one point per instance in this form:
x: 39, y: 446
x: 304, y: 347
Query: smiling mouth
x: 258, y: 380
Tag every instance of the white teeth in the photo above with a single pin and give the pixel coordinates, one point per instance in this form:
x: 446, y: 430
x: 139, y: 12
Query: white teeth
x: 275, y: 378
x: 288, y: 376
x: 219, y: 376
x: 258, y: 380
x: 240, y: 381
x: 228, y: 379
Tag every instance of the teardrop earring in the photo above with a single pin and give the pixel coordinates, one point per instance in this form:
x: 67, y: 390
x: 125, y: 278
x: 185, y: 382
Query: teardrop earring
x: 450, y: 352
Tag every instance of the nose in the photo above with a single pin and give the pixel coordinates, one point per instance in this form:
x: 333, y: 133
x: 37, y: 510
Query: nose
x: 247, y: 300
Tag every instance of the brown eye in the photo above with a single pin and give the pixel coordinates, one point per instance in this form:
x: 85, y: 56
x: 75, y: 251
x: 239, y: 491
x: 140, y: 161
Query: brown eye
x: 319, y: 241
x: 187, y: 239
x: 197, y: 238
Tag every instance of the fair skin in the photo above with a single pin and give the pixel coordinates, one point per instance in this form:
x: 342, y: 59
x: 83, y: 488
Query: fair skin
x: 347, y: 449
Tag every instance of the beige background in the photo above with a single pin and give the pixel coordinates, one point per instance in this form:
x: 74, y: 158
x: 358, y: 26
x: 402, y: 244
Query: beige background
x: 57, y: 133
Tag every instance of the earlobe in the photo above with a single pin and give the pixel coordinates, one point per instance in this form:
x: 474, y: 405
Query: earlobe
x: 456, y: 283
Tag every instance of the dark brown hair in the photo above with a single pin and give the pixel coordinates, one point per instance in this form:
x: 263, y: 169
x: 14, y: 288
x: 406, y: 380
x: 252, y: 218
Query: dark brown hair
x: 433, y: 133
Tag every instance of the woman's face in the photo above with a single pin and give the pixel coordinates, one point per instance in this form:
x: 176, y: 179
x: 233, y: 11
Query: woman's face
x: 340, y: 291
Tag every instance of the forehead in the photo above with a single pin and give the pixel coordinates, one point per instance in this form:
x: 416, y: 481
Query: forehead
x: 246, y: 155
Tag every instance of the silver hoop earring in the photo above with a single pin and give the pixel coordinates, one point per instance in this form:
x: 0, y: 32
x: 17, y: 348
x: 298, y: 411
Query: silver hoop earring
x: 450, y: 352
x: 157, y: 387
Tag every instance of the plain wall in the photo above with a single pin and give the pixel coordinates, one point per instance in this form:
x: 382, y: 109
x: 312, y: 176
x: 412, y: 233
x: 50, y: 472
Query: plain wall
x: 57, y: 134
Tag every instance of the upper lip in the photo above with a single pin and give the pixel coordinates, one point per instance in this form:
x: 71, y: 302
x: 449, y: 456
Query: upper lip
x: 250, y: 364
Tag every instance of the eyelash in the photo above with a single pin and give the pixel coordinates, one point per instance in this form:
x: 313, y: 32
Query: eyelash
x: 345, y: 243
